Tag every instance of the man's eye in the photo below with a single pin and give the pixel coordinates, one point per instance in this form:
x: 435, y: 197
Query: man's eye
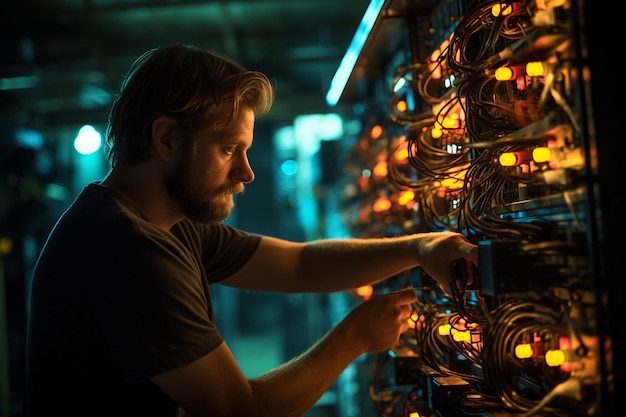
x: 230, y: 150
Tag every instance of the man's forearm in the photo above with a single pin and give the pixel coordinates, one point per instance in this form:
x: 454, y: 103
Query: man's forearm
x: 336, y: 265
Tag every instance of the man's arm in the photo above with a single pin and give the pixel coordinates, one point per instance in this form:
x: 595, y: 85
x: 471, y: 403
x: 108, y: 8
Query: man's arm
x: 339, y: 264
x: 214, y: 385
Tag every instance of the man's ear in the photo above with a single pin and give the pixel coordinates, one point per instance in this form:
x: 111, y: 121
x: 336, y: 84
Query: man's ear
x: 165, y: 137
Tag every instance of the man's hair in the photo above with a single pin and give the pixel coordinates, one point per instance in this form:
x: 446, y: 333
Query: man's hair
x: 194, y: 86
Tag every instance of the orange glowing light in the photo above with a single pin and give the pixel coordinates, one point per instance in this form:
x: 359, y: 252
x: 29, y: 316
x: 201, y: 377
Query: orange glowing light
x: 365, y: 291
x: 434, y: 66
x: 381, y: 205
x: 376, y: 131
x: 381, y: 169
x: 401, y: 106
x: 401, y: 155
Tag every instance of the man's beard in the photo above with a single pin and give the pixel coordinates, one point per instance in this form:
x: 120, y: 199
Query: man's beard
x: 197, y: 204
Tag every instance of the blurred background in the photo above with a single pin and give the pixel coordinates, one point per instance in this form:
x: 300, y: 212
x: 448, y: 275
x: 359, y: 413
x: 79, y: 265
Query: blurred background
x: 61, y: 62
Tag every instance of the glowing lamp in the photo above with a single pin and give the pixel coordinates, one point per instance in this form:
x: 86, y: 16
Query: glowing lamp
x: 365, y: 291
x: 508, y: 159
x: 524, y: 351
x: 535, y: 69
x: 381, y: 205
x: 380, y: 169
x: 401, y: 155
x: 542, y: 154
x: 501, y: 9
x: 401, y: 82
x: 451, y: 121
x: 451, y: 183
x: 413, y: 320
x: 401, y: 106
x: 508, y: 73
x: 88, y: 140
x: 436, y: 133
x: 461, y: 336
x: 455, y: 180
x: 555, y: 357
x: 376, y: 131
x: 444, y: 330
x: 511, y: 159
x: 405, y: 197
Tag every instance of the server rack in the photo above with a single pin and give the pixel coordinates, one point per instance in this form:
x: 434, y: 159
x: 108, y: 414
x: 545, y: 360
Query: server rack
x: 492, y: 118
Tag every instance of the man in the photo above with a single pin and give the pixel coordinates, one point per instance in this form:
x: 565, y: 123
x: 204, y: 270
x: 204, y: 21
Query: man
x: 121, y: 321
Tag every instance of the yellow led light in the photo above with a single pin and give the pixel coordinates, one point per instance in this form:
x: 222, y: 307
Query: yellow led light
x: 503, y: 74
x: 444, y: 330
x: 542, y: 154
x: 461, y: 336
x: 499, y: 10
x: 534, y: 69
x: 524, y: 350
x: 508, y: 159
x: 406, y: 197
x: 451, y: 122
x: 555, y: 357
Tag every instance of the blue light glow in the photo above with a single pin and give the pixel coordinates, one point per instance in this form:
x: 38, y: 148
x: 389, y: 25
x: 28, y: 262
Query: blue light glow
x: 351, y: 56
x: 88, y: 140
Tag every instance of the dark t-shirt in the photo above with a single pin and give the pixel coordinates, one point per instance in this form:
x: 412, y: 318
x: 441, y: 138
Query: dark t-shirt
x: 116, y: 301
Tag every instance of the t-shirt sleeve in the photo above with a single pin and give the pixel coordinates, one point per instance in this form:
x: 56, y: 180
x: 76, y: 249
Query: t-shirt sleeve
x: 223, y: 249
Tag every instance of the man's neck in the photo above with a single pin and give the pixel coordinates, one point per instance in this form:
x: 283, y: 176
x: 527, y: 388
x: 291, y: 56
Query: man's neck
x: 142, y: 186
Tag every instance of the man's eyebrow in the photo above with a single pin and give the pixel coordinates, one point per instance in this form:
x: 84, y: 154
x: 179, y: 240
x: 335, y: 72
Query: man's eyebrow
x: 224, y: 141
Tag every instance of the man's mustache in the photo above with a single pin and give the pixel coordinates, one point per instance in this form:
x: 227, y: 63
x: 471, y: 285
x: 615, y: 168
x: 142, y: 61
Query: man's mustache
x: 233, y: 189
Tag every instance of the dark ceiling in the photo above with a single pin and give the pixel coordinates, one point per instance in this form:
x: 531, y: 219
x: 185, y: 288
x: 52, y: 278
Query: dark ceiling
x: 61, y: 60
